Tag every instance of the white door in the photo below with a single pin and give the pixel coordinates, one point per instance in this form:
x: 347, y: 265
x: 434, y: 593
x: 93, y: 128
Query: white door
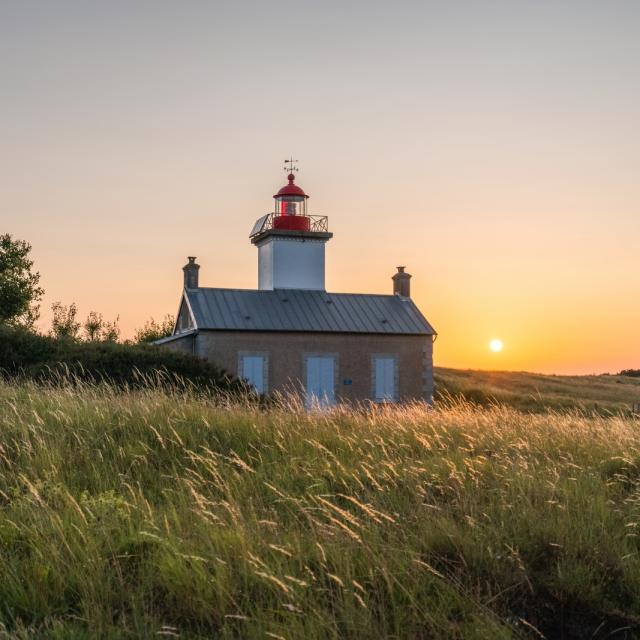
x: 253, y: 372
x: 385, y: 372
x: 321, y: 381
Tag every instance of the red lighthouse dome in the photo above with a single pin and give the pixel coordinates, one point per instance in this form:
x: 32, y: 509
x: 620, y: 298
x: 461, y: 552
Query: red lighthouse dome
x: 291, y: 189
x: 291, y: 207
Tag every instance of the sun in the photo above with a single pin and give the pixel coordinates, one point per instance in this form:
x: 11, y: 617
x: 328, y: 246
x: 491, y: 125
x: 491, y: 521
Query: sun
x: 496, y: 345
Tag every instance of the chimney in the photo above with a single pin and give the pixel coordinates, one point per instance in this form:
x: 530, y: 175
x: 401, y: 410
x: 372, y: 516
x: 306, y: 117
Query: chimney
x: 191, y: 273
x: 401, y: 283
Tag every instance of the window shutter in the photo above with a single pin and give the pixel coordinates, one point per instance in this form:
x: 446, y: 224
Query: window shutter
x: 321, y: 380
x: 253, y: 372
x: 385, y: 373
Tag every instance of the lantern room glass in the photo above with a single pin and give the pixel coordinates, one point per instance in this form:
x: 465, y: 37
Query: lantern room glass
x: 291, y: 206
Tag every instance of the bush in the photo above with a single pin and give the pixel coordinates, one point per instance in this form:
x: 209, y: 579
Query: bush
x: 43, y: 358
x: 153, y: 330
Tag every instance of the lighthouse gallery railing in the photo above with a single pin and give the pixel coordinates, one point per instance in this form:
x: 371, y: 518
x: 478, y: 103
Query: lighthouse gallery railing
x: 316, y: 223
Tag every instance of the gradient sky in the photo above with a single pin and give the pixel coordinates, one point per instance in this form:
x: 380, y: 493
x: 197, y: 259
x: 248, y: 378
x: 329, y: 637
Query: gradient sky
x: 493, y: 147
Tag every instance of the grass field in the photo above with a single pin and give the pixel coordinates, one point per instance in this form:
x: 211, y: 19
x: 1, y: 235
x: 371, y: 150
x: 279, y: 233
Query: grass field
x: 153, y: 514
x: 538, y: 393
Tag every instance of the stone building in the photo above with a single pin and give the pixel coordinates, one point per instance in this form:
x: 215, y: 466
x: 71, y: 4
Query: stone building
x: 291, y: 335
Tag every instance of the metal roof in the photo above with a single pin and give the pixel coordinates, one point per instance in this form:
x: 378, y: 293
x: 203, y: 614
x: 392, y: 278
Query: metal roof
x: 303, y: 310
x: 175, y: 336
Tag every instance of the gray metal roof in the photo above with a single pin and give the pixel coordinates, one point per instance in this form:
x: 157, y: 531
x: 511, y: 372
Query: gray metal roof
x: 303, y: 310
x: 175, y: 336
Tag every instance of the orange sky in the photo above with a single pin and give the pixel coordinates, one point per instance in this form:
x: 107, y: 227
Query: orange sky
x: 494, y: 151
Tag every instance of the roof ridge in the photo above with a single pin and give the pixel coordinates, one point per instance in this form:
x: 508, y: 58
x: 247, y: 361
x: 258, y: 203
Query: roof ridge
x: 318, y: 291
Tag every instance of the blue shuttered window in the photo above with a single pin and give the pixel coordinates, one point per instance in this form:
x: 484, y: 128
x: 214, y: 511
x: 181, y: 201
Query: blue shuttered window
x: 253, y: 372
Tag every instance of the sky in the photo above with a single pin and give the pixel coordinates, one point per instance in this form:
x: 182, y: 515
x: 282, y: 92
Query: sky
x: 492, y: 147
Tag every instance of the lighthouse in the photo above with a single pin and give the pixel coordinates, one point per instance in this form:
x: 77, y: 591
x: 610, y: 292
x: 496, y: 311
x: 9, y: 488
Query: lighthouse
x: 291, y: 243
x: 291, y: 335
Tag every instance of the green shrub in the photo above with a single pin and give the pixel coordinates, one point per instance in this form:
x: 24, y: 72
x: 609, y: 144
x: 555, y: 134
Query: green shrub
x: 46, y: 359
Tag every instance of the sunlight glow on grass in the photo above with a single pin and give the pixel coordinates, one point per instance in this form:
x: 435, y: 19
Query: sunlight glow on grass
x: 170, y: 512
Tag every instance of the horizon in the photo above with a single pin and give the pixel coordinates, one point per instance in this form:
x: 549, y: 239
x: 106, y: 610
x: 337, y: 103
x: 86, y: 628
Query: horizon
x: 492, y: 150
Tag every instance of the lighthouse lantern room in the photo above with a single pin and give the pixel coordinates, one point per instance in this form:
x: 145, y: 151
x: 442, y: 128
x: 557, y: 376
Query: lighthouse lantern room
x: 290, y: 242
x: 291, y: 207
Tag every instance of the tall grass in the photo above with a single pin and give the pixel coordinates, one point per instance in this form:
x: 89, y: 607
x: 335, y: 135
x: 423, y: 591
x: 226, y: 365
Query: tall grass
x: 148, y: 513
x: 539, y: 393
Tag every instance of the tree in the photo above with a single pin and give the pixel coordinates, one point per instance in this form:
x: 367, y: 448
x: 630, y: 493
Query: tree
x: 110, y: 331
x: 64, y: 323
x: 97, y: 329
x: 153, y: 330
x: 93, y: 326
x: 94, y: 329
x: 19, y: 290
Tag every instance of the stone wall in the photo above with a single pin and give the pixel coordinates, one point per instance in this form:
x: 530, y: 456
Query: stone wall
x: 184, y: 344
x: 287, y: 351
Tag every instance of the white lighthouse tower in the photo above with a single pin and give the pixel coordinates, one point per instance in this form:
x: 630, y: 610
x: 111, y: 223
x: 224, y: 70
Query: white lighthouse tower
x: 290, y: 242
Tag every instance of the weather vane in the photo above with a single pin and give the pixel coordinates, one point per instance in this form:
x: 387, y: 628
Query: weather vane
x: 291, y: 162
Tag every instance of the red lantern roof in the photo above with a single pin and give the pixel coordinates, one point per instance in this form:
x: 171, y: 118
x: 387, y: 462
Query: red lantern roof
x: 291, y: 189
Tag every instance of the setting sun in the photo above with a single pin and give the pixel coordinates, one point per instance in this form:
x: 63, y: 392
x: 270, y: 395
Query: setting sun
x: 496, y: 345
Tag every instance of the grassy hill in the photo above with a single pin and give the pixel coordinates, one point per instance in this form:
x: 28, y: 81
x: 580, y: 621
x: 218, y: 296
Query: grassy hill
x: 146, y: 514
x: 537, y: 392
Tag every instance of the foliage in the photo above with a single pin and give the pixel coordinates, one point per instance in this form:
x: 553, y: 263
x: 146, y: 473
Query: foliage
x: 45, y: 358
x: 145, y: 513
x: 21, y: 349
x: 110, y: 331
x: 92, y: 326
x: 97, y: 329
x: 19, y: 290
x: 64, y: 323
x: 631, y: 373
x: 153, y: 330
